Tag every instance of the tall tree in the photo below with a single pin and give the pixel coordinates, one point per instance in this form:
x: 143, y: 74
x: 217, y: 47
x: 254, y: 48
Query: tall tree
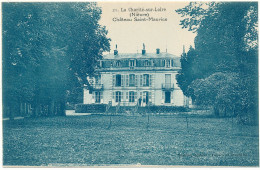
x: 226, y: 43
x: 45, y: 46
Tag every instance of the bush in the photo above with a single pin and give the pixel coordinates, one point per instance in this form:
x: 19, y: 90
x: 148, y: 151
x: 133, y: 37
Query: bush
x: 90, y: 108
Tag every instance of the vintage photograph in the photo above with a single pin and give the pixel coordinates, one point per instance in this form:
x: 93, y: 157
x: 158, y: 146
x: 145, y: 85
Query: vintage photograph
x: 130, y: 84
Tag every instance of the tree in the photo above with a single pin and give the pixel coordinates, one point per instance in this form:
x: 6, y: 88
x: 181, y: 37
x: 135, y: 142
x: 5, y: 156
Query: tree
x: 226, y: 44
x: 45, y: 46
x: 188, y: 72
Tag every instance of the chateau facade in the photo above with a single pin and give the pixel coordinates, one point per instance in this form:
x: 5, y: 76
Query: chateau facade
x: 136, y: 79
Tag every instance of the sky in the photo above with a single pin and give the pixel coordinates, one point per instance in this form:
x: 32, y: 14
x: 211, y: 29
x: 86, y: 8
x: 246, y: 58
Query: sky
x: 130, y: 35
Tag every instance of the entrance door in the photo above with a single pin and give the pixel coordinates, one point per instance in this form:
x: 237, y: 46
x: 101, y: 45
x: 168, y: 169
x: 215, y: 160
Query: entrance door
x: 145, y: 97
x: 167, y: 97
x: 167, y: 80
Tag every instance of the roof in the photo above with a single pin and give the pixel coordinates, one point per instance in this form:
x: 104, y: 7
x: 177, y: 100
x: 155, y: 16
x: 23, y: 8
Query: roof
x: 138, y: 55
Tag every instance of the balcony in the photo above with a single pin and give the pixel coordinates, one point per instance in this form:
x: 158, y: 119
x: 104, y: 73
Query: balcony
x: 97, y: 86
x: 167, y: 86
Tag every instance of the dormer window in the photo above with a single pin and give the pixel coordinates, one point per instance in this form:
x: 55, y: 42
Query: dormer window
x: 168, y: 63
x: 146, y: 63
x: 132, y: 63
x: 118, y: 63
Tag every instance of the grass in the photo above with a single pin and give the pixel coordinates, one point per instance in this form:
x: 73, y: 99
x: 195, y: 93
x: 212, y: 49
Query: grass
x: 86, y: 141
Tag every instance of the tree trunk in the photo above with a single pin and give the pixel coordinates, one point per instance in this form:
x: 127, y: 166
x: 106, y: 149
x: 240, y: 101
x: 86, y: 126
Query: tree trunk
x: 62, y: 108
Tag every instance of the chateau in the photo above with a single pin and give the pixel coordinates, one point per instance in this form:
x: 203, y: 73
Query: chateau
x: 136, y: 79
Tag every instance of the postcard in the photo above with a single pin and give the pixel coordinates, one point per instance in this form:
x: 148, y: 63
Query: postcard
x: 130, y: 84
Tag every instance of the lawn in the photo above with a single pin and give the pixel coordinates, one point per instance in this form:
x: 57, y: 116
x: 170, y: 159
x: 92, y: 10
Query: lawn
x: 87, y: 141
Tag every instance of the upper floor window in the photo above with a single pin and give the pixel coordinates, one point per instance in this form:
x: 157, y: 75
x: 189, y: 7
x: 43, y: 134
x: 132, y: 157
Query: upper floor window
x: 167, y: 63
x: 146, y: 63
x: 132, y: 63
x: 163, y: 63
x: 118, y: 63
x: 146, y: 81
x: 172, y: 63
x: 131, y: 80
x: 118, y: 79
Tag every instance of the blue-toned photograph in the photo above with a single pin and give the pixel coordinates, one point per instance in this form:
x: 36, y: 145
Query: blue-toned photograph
x: 130, y: 84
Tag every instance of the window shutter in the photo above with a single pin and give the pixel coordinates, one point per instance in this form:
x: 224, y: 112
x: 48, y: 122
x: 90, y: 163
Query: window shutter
x: 150, y: 99
x: 114, y: 95
x: 152, y: 96
x: 144, y: 80
x: 114, y: 80
x: 172, y: 97
x: 123, y: 80
x: 150, y: 80
x: 101, y: 95
x: 141, y: 80
x: 163, y: 97
x: 136, y: 80
x: 93, y: 96
x: 126, y: 95
x: 135, y: 96
x: 127, y: 80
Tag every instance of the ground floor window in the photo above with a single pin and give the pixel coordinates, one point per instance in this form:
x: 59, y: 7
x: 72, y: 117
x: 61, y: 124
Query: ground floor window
x: 97, y: 97
x: 118, y: 96
x: 131, y: 96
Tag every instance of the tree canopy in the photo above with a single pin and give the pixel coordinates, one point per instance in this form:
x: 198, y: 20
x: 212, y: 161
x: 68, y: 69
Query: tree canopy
x: 223, y: 66
x: 48, y: 51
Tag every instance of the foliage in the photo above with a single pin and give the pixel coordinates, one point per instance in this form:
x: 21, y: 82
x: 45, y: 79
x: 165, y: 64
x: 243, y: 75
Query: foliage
x: 224, y: 69
x: 48, y: 51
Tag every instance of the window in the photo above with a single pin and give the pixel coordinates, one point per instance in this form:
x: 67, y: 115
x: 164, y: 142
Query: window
x: 118, y: 63
x: 132, y: 63
x: 145, y: 80
x: 146, y: 63
x: 145, y: 97
x: 131, y: 80
x: 163, y: 63
x: 167, y: 63
x: 131, y: 96
x: 118, y: 80
x: 97, y: 97
x: 118, y: 96
x: 172, y: 63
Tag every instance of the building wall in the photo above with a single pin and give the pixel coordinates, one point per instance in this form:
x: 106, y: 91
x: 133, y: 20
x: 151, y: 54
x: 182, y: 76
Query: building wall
x: 155, y: 90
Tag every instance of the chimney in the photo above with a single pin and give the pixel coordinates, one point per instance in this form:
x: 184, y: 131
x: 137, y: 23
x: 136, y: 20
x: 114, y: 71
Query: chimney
x: 115, y: 51
x: 158, y: 51
x: 143, y: 50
